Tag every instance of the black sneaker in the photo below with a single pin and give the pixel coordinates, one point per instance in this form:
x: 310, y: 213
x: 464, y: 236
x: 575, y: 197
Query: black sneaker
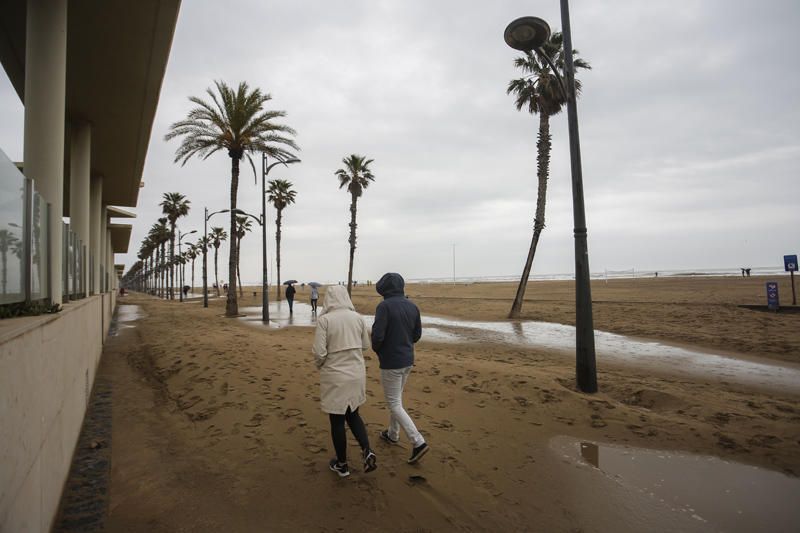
x: 370, y: 461
x: 339, y: 468
x: 386, y: 438
x: 418, y: 452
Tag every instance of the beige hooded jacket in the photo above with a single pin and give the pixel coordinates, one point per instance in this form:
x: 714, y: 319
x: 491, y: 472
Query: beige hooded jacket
x: 339, y: 341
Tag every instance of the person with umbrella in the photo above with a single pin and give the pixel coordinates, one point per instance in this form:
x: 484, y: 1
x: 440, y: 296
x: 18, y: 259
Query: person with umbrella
x: 290, y: 290
x: 314, y: 296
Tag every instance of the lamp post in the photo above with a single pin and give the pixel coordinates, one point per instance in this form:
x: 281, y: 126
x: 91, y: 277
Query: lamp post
x: 180, y: 238
x: 265, y: 168
x: 205, y: 252
x: 527, y: 34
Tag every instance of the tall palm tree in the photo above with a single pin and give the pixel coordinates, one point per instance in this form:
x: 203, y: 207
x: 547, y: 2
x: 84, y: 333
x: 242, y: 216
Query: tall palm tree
x: 174, y: 205
x: 243, y: 226
x: 540, y: 93
x: 356, y: 176
x: 216, y: 237
x: 235, y: 121
x: 280, y: 194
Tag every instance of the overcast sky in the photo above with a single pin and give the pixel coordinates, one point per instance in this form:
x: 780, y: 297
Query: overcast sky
x: 689, y: 125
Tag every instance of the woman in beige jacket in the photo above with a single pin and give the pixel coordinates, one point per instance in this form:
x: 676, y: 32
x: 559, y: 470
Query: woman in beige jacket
x: 339, y: 341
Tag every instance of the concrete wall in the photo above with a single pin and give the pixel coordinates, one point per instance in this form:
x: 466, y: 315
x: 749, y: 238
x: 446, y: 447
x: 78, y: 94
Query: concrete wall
x: 47, y: 368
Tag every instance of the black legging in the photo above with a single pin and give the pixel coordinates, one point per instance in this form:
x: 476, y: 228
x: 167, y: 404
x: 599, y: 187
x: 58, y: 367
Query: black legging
x: 339, y: 435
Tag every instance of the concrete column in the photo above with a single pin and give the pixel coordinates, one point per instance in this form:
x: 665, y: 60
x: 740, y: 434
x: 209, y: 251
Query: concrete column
x: 110, y: 262
x: 95, y: 222
x: 79, y: 196
x: 103, y: 252
x: 45, y: 87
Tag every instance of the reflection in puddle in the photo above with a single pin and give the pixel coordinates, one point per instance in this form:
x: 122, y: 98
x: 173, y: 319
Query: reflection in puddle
x: 730, y: 496
x: 123, y: 318
x: 561, y: 338
x: 618, y: 348
x: 279, y: 316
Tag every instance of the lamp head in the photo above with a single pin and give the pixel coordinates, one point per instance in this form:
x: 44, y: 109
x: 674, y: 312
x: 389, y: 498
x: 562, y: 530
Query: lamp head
x: 526, y: 33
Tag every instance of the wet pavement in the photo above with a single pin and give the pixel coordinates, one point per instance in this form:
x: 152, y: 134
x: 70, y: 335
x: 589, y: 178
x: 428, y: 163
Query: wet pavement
x: 560, y: 338
x: 727, y: 496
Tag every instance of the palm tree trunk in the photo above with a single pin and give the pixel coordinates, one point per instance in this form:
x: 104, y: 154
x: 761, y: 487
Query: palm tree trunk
x: 353, y: 209
x: 278, y: 252
x: 543, y: 146
x: 193, y: 274
x: 239, y: 267
x: 232, y: 304
x: 172, y: 261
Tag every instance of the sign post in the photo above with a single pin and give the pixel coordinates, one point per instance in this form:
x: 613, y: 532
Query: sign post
x: 790, y: 265
x: 772, y: 295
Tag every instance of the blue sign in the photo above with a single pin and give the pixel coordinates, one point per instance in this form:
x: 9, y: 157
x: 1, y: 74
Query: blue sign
x: 772, y: 294
x: 790, y: 263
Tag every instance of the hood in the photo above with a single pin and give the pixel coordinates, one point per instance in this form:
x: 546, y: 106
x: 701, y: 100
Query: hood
x: 336, y: 297
x: 391, y: 284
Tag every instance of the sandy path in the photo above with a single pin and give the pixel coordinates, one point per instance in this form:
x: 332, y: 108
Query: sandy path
x: 217, y: 426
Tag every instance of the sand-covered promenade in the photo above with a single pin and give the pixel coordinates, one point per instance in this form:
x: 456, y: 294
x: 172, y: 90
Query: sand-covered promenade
x: 216, y: 424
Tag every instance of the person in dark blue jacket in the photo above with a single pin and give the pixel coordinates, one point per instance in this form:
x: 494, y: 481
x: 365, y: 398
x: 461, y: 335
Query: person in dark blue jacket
x: 397, y: 327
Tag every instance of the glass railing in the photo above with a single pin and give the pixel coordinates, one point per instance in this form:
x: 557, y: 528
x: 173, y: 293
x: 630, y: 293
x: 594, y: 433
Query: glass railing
x: 12, y: 240
x: 24, y: 263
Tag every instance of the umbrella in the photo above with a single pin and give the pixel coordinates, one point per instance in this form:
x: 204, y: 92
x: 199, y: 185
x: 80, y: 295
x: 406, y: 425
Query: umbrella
x: 289, y: 281
x: 314, y: 284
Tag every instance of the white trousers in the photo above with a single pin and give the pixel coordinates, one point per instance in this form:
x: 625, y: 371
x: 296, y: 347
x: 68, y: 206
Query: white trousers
x: 394, y: 380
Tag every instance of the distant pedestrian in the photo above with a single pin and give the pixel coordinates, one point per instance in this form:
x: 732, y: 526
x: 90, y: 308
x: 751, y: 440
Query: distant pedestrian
x: 747, y: 271
x: 339, y: 341
x: 314, y: 298
x: 186, y: 290
x: 397, y: 327
x: 290, y: 290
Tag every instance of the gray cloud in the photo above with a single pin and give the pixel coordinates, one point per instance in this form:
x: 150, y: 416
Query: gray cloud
x: 688, y: 128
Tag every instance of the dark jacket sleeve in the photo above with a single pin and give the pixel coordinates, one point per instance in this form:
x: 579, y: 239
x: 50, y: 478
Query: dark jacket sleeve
x: 379, y: 328
x: 417, y: 327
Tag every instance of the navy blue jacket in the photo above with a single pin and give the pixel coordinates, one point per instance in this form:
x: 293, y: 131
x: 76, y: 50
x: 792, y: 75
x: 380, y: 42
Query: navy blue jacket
x: 397, y: 324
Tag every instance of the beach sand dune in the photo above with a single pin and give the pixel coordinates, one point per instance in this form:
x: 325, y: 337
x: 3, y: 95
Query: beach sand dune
x: 216, y: 424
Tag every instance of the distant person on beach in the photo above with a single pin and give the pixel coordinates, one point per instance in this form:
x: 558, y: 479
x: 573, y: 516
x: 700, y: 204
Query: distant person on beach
x: 314, y: 298
x: 397, y: 327
x: 339, y: 341
x: 747, y: 271
x: 186, y: 290
x: 290, y: 290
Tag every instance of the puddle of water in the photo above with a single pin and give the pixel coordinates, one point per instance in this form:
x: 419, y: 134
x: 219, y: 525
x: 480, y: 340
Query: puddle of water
x: 618, y: 348
x: 728, y: 496
x: 125, y: 315
x: 128, y: 313
x: 279, y: 316
x: 561, y: 338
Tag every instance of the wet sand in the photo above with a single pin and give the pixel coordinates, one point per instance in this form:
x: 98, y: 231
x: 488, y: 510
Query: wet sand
x: 216, y: 423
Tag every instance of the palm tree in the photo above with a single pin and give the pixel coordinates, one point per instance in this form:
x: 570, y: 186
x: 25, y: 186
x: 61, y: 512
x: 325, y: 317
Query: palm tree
x: 159, y: 235
x: 540, y: 92
x: 191, y: 253
x: 174, y: 205
x: 235, y: 121
x: 216, y: 237
x: 243, y: 226
x: 281, y: 195
x: 203, y: 244
x: 356, y: 176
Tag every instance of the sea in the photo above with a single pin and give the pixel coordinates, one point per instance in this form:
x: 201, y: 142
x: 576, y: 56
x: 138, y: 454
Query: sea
x: 631, y: 273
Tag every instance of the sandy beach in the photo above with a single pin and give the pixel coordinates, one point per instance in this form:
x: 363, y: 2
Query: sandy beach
x: 216, y: 422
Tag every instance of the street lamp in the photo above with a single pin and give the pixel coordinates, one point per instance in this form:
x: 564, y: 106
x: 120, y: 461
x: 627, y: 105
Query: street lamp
x: 265, y: 168
x: 528, y: 34
x: 205, y: 252
x: 180, y: 238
